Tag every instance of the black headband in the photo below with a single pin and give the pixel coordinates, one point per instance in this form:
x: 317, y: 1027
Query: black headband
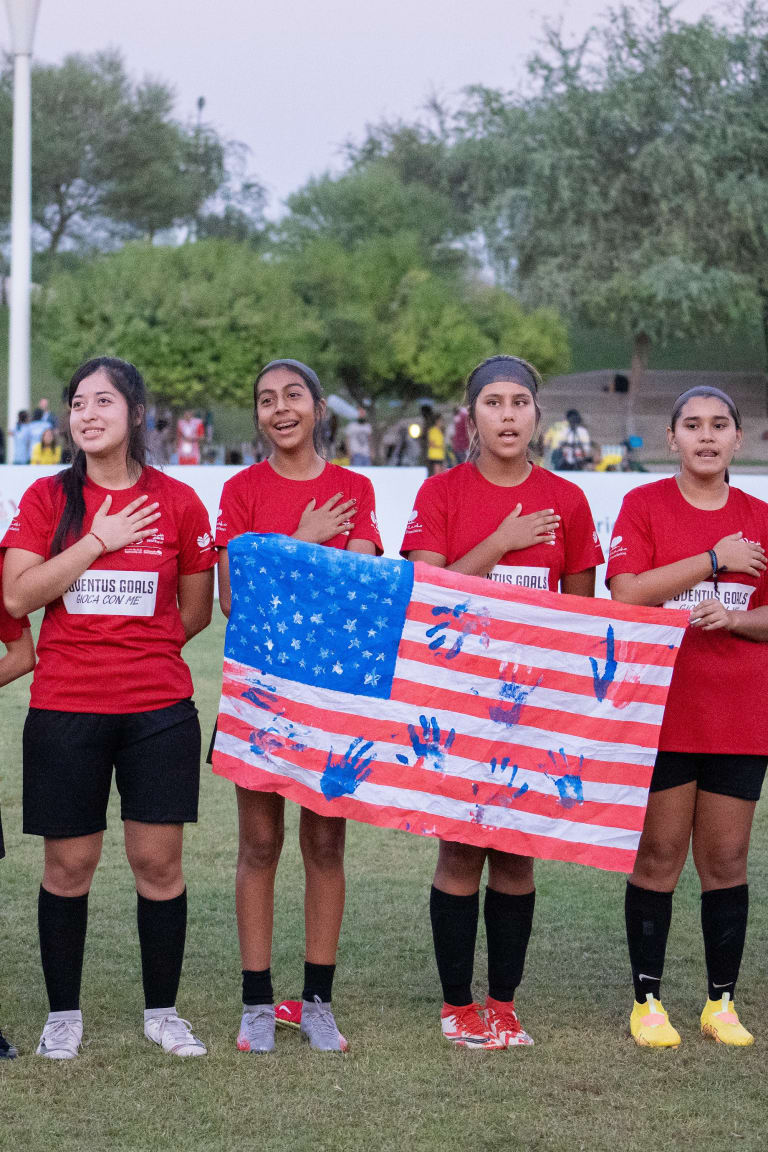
x: 498, y: 368
x: 705, y: 390
x: 303, y: 370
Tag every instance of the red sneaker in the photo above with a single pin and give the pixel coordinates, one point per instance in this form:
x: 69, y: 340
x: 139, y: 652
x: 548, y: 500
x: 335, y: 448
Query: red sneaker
x: 466, y: 1027
x: 502, y: 1023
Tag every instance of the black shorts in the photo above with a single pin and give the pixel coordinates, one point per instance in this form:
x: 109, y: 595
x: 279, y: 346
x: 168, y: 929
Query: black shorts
x: 2, y: 845
x: 68, y: 762
x: 727, y: 775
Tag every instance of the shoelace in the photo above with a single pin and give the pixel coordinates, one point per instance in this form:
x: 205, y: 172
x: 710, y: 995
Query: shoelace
x: 180, y: 1031
x: 469, y: 1019
x: 508, y: 1020
x: 255, y: 1021
x: 323, y: 1023
x: 62, y: 1034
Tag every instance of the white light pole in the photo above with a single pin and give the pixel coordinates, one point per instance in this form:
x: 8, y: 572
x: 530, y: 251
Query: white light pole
x: 22, y: 16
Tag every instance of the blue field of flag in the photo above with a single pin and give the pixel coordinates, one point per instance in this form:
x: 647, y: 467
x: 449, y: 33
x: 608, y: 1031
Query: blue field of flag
x: 321, y: 616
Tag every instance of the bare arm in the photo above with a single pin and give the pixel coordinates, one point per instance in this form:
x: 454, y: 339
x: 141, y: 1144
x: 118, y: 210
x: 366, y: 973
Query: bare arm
x: 712, y: 616
x: 195, y: 594
x: 364, y: 547
x: 579, y: 583
x: 19, y: 658
x: 31, y: 582
x: 225, y: 590
x: 734, y: 554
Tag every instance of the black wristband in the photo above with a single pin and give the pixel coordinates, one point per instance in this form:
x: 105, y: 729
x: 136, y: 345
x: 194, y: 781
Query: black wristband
x: 713, y: 561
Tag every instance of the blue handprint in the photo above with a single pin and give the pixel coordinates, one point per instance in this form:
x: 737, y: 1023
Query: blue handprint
x: 427, y: 744
x: 343, y: 774
x: 602, y: 683
x: 262, y: 695
x: 569, y: 787
x: 502, y: 766
x: 477, y: 624
x: 513, y: 697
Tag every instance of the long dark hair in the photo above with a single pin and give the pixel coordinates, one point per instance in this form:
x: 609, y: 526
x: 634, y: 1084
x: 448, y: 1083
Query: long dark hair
x: 128, y: 381
x: 312, y: 382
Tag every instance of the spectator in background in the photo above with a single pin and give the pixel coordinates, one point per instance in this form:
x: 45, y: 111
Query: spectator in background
x: 435, y: 446
x: 190, y: 430
x: 48, y: 451
x: 37, y: 426
x: 357, y: 437
x: 21, y: 445
x: 47, y: 414
x: 159, y: 441
x: 575, y: 452
x: 459, y: 435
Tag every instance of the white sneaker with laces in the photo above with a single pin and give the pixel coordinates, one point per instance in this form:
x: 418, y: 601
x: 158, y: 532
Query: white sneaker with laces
x: 165, y: 1027
x: 62, y: 1036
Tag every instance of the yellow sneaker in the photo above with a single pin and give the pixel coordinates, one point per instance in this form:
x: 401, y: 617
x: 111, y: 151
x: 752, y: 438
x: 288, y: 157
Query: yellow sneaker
x: 720, y: 1021
x: 650, y: 1026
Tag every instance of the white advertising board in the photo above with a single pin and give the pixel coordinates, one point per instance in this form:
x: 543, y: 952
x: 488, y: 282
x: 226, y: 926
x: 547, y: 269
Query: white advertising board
x: 395, y: 489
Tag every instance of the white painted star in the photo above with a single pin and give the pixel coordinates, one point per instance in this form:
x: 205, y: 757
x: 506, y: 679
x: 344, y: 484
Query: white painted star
x: 337, y: 668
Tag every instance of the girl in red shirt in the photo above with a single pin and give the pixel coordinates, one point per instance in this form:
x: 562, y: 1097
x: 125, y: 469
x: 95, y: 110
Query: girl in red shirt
x: 694, y: 542
x: 297, y: 493
x: 502, y: 517
x: 121, y: 558
x: 19, y: 659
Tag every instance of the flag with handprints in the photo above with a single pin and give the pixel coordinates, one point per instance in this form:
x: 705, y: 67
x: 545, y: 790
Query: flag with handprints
x: 441, y: 704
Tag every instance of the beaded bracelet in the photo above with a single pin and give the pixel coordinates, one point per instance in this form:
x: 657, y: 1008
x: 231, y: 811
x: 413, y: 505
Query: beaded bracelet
x: 103, y: 545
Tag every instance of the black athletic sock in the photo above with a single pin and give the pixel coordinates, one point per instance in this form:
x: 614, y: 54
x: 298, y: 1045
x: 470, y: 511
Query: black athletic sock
x: 318, y: 981
x: 508, y: 921
x: 257, y: 987
x: 162, y: 935
x: 454, y: 931
x: 724, y: 925
x: 62, y: 922
x: 648, y: 915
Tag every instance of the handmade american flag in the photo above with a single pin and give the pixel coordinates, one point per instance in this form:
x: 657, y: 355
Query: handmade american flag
x: 444, y: 705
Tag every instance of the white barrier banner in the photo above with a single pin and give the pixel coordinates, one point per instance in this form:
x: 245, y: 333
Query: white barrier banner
x: 395, y: 490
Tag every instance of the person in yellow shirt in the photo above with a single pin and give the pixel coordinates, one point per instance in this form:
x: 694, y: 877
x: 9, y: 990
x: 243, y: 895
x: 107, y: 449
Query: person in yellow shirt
x: 435, y: 447
x: 48, y: 451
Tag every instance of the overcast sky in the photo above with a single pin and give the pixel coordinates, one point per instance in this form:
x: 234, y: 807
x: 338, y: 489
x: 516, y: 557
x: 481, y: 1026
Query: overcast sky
x: 294, y: 80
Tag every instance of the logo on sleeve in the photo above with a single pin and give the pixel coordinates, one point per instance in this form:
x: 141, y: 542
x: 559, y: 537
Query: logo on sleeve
x: 204, y: 541
x: 413, y: 522
x: 615, y: 542
x: 374, y: 521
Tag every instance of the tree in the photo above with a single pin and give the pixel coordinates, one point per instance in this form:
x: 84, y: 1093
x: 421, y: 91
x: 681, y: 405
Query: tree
x: 198, y: 319
x: 605, y: 207
x: 109, y: 161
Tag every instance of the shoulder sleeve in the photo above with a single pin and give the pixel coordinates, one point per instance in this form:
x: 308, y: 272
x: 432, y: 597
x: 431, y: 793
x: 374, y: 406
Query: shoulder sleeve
x: 366, y: 525
x: 196, y: 550
x: 33, y: 526
x: 582, y: 545
x: 632, y: 547
x: 232, y: 519
x: 427, y: 528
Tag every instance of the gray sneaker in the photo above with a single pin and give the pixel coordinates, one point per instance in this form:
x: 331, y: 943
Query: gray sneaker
x: 257, y: 1028
x: 318, y: 1027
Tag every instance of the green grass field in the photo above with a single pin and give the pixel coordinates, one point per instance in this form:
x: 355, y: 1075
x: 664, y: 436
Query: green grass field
x: 583, y: 1086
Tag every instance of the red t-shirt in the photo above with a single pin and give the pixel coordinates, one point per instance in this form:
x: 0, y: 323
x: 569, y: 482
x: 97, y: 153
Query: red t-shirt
x: 456, y: 510
x: 258, y: 499
x: 715, y: 702
x: 112, y: 643
x: 10, y: 629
